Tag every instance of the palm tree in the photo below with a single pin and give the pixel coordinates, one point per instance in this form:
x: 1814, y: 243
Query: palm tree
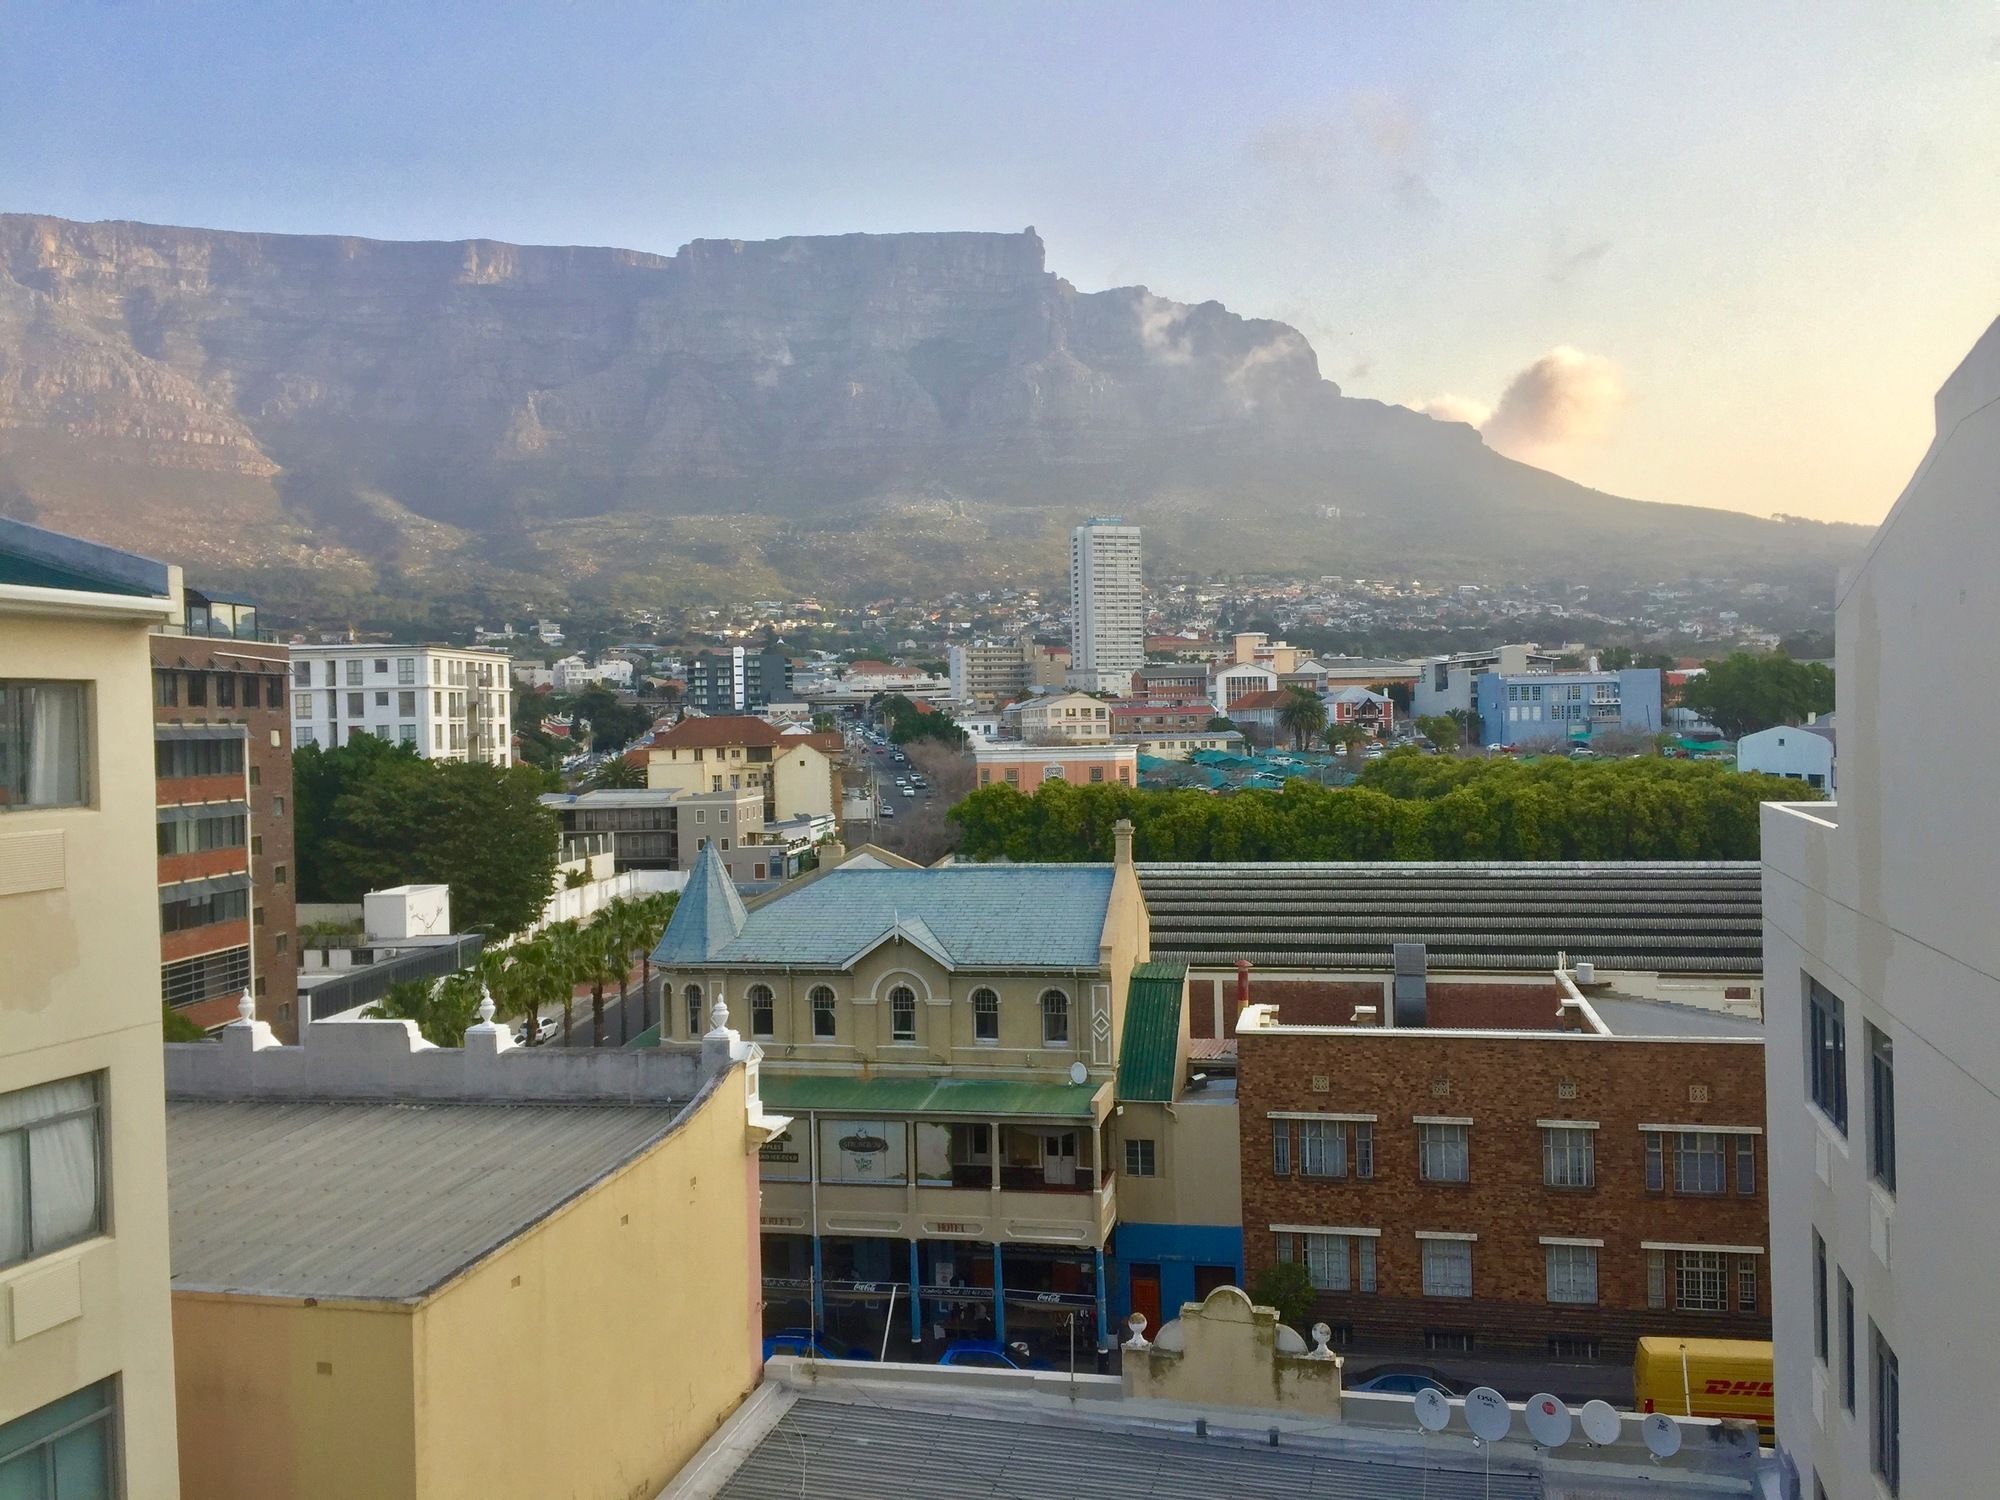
x: 601, y: 960
x: 655, y: 911
x: 1302, y: 715
x: 619, y: 920
x: 559, y: 967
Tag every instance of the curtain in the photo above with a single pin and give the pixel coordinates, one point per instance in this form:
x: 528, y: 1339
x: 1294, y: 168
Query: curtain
x: 62, y: 1158
x: 55, y: 757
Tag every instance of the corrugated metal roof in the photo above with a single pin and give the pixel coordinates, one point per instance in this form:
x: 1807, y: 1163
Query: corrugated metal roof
x: 984, y: 916
x: 374, y: 1201
x: 1148, y: 1050
x: 798, y: 1092
x: 1649, y: 916
x: 832, y: 1450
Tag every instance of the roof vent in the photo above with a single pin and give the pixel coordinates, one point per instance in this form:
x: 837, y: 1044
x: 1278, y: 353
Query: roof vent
x: 1412, y: 1007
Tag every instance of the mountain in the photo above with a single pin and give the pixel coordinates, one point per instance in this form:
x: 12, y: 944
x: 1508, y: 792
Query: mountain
x: 836, y: 414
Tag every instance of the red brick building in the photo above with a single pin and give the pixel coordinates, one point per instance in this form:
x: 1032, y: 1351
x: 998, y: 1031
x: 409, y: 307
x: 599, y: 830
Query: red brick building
x: 223, y: 762
x: 1528, y: 1190
x: 1158, y: 716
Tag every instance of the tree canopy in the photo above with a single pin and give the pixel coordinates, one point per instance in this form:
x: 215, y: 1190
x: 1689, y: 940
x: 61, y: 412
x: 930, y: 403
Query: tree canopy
x: 907, y: 722
x: 370, y: 814
x: 1406, y: 806
x: 1745, y: 693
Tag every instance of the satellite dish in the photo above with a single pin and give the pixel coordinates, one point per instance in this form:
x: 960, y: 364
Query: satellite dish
x: 1078, y: 1073
x: 1548, y: 1420
x: 1601, y: 1422
x: 1486, y: 1414
x: 1433, y: 1411
x: 1662, y: 1434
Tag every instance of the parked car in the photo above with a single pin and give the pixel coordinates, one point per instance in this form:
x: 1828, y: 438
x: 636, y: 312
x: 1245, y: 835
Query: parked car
x: 806, y: 1344
x: 545, y: 1028
x: 1393, y: 1382
x: 990, y: 1354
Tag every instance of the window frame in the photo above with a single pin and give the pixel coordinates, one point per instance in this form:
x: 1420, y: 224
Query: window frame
x: 1885, y: 1436
x: 1567, y: 1156
x: 1432, y: 1141
x: 1142, y: 1156
x: 1826, y: 1053
x: 1461, y: 1250
x: 21, y: 1137
x: 1703, y: 1269
x: 1881, y: 1107
x: 1822, y: 1322
x: 14, y: 730
x: 825, y: 1012
x: 692, y: 997
x: 102, y: 1418
x: 1055, y: 1018
x: 902, y: 1010
x: 1569, y: 1257
x: 985, y: 1016
x: 760, y: 998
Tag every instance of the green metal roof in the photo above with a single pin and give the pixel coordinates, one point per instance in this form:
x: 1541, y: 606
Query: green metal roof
x: 650, y: 1037
x: 798, y: 1092
x: 1147, y: 1056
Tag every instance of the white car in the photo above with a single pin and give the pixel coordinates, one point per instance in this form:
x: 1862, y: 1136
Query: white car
x: 888, y: 811
x: 545, y: 1028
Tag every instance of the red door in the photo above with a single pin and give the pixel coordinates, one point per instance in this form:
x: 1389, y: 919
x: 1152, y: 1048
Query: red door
x: 1146, y: 1295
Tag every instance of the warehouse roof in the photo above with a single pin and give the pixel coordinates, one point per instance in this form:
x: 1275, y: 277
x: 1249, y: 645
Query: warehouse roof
x: 375, y: 1201
x: 1650, y: 916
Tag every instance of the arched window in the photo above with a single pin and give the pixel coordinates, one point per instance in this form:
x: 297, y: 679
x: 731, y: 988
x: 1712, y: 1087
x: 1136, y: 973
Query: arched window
x: 693, y: 996
x: 1055, y: 1018
x: 903, y: 1014
x: 763, y: 1011
x: 985, y: 1016
x: 822, y: 1007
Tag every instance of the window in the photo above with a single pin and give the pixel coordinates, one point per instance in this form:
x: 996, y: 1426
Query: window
x: 1569, y: 1156
x: 225, y: 690
x: 1447, y: 1268
x: 1442, y: 1152
x: 1334, y: 1262
x: 1448, y: 1340
x: 197, y: 685
x: 1698, y: 1162
x: 406, y: 705
x: 274, y: 691
x: 1826, y: 1053
x: 1656, y: 1176
x: 1885, y: 1449
x: 1746, y: 1165
x: 197, y: 835
x: 166, y: 688
x: 1322, y: 1148
x: 692, y: 995
x: 354, y: 674
x: 1570, y: 1346
x: 381, y: 664
x: 302, y: 705
x: 1656, y: 1278
x: 51, y: 1168
x: 1881, y: 1109
x: 406, y: 669
x: 277, y: 807
x: 821, y: 997
x: 1819, y: 1298
x: 1746, y: 1283
x: 180, y: 913
x: 302, y: 673
x: 985, y: 1016
x: 1140, y: 1160
x: 63, y: 1451
x: 1572, y: 1273
x: 1846, y: 1342
x: 763, y: 1012
x: 903, y: 1014
x: 1698, y: 1284
x: 1055, y: 1018
x: 356, y: 705
x: 406, y: 734
x: 44, y: 749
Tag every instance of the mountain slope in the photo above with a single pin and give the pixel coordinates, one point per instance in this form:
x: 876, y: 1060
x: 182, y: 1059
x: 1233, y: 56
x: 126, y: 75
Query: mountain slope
x: 833, y: 413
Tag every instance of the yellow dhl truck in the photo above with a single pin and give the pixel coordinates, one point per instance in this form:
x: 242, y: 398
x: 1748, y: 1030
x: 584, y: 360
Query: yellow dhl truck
x: 1706, y: 1378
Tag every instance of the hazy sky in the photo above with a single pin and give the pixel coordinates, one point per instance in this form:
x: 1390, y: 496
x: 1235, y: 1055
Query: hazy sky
x: 1721, y: 253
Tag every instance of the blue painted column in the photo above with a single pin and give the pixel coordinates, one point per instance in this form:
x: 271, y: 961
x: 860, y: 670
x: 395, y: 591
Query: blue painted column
x: 819, y: 1283
x: 1103, y: 1325
x: 999, y: 1297
x: 916, y: 1298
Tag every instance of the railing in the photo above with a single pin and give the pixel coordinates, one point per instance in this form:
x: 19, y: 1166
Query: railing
x: 366, y: 985
x: 978, y: 1177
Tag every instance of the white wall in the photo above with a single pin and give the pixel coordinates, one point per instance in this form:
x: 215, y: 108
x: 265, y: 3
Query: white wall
x: 1788, y: 751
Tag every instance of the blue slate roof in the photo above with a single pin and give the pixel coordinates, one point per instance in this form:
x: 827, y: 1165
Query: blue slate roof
x: 708, y: 914
x: 977, y: 916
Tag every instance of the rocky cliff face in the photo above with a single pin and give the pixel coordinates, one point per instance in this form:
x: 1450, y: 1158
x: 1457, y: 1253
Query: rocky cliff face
x: 738, y: 409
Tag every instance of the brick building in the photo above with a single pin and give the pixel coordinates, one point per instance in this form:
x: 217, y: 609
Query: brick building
x: 1555, y: 1185
x: 1153, y: 716
x: 222, y: 758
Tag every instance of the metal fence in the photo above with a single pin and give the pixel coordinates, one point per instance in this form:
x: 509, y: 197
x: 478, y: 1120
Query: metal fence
x: 366, y: 985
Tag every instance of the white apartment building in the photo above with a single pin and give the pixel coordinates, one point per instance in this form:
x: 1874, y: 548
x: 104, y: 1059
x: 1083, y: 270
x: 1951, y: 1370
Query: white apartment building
x: 1107, y: 606
x: 573, y: 674
x: 1446, y: 683
x: 86, y: 1343
x: 1882, y: 1001
x: 449, y: 702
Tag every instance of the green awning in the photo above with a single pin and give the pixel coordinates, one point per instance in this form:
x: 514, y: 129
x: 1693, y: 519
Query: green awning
x: 1146, y: 1059
x: 796, y: 1093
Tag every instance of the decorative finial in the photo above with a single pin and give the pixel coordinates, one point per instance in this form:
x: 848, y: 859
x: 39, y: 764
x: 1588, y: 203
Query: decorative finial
x: 718, y: 1015
x: 1322, y: 1337
x: 1137, y: 1323
x: 485, y: 1006
x: 246, y: 1009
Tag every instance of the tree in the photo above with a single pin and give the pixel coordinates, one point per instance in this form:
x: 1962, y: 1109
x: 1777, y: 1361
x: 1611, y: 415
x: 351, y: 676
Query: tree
x: 655, y: 911
x: 1345, y: 737
x: 442, y: 1008
x: 1286, y: 1286
x: 557, y: 968
x: 612, y: 723
x: 178, y: 1028
x: 1441, y: 730
x: 601, y: 961
x: 1301, y: 715
x: 617, y: 773
x: 1744, y: 693
x: 907, y: 722
x: 1220, y: 725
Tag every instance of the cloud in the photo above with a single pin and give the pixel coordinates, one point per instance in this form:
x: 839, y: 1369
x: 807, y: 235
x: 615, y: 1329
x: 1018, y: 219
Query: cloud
x: 1450, y: 408
x: 1163, y: 329
x: 1362, y: 368
x: 1366, y: 138
x: 1564, y: 398
x: 1565, y: 265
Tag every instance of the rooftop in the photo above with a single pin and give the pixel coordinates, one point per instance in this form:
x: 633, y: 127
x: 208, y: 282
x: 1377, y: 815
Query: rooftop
x: 1662, y: 917
x: 375, y: 1201
x: 718, y: 730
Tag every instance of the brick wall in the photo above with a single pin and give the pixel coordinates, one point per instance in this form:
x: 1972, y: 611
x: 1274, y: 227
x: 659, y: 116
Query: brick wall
x: 1504, y: 1086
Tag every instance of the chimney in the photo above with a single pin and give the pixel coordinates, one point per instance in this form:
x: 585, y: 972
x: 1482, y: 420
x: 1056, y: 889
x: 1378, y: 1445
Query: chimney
x: 832, y: 853
x: 1242, y: 985
x: 1121, y: 839
x: 1412, y: 1006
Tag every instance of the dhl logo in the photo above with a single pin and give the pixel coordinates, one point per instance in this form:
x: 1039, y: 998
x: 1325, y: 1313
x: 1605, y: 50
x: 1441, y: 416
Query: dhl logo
x: 1737, y: 1388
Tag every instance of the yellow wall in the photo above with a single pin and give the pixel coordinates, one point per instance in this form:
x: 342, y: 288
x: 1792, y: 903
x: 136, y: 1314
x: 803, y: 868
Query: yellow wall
x: 587, y: 1359
x: 82, y: 995
x: 1200, y: 1178
x: 280, y: 1401
x: 803, y: 776
x: 1230, y: 1358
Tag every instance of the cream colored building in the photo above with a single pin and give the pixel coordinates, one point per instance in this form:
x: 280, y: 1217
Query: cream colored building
x: 1065, y: 719
x: 1881, y: 985
x: 411, y: 1273
x: 85, y: 1339
x: 728, y: 752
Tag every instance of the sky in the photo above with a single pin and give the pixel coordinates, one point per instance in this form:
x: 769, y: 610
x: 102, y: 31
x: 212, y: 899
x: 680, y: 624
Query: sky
x: 1719, y: 253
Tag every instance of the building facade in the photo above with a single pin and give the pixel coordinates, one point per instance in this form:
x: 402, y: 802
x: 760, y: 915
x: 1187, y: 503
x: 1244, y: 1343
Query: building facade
x: 1171, y: 682
x: 1064, y: 719
x: 1152, y: 716
x: 444, y: 702
x: 738, y: 680
x: 86, y: 1366
x: 1802, y: 752
x: 1026, y: 767
x: 1547, y: 707
x: 1107, y: 600
x: 795, y: 771
x: 1445, y: 683
x: 1880, y: 955
x: 990, y: 672
x: 222, y: 758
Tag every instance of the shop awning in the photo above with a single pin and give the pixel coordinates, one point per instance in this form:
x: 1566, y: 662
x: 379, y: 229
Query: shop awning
x: 975, y: 1097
